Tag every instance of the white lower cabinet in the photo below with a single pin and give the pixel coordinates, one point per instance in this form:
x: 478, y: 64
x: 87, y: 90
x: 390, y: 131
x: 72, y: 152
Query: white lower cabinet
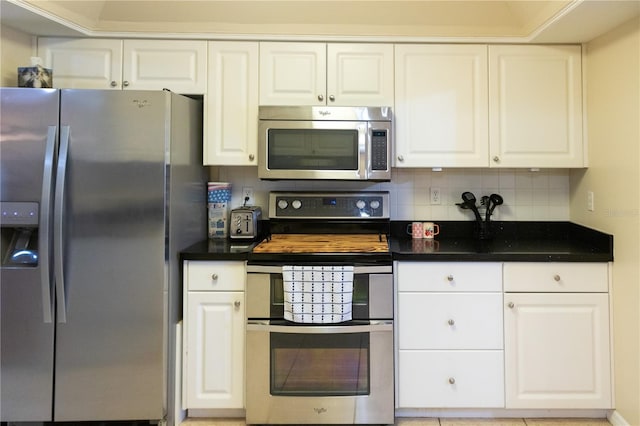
x: 439, y: 379
x: 213, y: 344
x: 557, y: 344
x: 449, y: 335
x: 542, y: 344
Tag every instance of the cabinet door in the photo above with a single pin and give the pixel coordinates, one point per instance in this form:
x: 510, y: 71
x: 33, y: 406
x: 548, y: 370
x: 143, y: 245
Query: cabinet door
x: 293, y: 73
x: 535, y: 106
x: 360, y: 74
x: 557, y: 350
x: 441, y: 106
x: 231, y: 107
x: 83, y: 63
x: 215, y: 350
x: 177, y: 65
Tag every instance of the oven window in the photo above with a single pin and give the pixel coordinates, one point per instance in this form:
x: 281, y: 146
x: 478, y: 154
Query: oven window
x: 313, y: 149
x: 320, y: 364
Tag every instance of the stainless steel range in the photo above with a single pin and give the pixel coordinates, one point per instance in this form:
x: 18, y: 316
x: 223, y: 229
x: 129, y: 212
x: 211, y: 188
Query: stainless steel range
x: 320, y: 312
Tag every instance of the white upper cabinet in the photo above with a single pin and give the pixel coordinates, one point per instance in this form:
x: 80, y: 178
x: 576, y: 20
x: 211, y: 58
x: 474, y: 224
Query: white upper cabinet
x: 231, y: 107
x: 83, y: 63
x: 441, y: 106
x: 535, y: 106
x: 326, y: 74
x: 177, y: 65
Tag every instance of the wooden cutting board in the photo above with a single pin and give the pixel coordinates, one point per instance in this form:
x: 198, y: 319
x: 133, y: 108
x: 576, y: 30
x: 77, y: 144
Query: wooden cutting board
x: 324, y: 243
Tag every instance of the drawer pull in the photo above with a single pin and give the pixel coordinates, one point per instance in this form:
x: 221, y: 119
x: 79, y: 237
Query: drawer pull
x: 450, y: 278
x: 236, y: 304
x: 214, y: 277
x: 452, y: 381
x: 451, y: 322
x: 511, y: 305
x: 556, y: 278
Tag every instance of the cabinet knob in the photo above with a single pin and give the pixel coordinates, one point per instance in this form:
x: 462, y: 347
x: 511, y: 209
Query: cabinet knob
x: 496, y: 159
x: 125, y: 83
x: 452, y: 381
x: 451, y: 322
x: 214, y: 276
x: 236, y: 304
x: 400, y: 158
x: 450, y: 278
x: 320, y: 98
x: 511, y: 305
x: 113, y: 84
x: 332, y: 98
x: 251, y: 157
x: 556, y: 278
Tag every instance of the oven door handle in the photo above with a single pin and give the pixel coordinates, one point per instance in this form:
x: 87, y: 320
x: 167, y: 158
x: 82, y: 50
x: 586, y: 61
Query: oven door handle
x: 320, y: 329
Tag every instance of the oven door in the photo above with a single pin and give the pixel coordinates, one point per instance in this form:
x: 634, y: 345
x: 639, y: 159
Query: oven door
x: 328, y: 374
x: 312, y: 149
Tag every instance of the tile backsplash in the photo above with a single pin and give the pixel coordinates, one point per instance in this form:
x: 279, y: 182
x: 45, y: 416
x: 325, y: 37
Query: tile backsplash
x: 528, y: 195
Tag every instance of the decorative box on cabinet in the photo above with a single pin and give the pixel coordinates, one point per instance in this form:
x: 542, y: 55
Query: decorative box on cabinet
x: 557, y: 336
x: 441, y: 106
x: 449, y: 335
x: 214, y: 329
x: 535, y: 106
x: 337, y: 74
x: 231, y: 107
x: 177, y: 65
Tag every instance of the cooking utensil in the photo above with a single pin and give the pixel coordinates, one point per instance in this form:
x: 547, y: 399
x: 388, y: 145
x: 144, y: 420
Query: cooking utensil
x: 494, y: 200
x: 469, y: 202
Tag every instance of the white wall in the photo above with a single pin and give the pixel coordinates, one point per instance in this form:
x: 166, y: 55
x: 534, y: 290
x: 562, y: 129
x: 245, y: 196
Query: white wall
x: 542, y: 195
x: 15, y: 51
x: 613, y: 113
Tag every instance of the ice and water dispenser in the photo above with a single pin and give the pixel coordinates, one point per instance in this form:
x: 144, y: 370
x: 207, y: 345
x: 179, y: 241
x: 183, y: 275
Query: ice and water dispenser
x: 19, y: 234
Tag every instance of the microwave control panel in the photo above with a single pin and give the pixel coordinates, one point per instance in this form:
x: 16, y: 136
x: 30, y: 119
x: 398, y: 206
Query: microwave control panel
x: 379, y: 143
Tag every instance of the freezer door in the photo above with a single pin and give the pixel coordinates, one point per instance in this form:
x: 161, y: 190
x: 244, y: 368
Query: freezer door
x: 28, y: 131
x: 110, y: 230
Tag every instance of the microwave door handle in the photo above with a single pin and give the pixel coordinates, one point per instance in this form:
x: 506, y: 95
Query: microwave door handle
x: 363, y: 150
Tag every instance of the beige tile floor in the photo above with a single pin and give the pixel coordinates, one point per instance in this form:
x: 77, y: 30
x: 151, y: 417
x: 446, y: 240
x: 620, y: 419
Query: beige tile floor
x: 438, y: 422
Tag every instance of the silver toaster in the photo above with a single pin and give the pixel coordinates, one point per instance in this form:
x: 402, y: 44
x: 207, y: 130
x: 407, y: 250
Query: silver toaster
x: 245, y: 223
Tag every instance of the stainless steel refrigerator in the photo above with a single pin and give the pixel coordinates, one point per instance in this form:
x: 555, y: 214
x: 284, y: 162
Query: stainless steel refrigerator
x: 99, y: 191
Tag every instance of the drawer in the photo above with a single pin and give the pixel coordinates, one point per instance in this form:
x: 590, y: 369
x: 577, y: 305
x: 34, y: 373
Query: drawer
x: 450, y: 321
x: 563, y: 277
x: 439, y: 379
x: 215, y: 276
x: 449, y: 276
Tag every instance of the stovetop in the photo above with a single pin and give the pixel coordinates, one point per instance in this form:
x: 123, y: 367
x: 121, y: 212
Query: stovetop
x: 321, y: 227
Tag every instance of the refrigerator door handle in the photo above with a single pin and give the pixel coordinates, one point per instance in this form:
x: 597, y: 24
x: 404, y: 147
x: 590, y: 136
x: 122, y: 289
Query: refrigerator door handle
x: 58, y: 221
x: 44, y: 243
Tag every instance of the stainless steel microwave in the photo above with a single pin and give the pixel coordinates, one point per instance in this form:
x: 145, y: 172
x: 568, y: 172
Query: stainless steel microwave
x: 325, y: 143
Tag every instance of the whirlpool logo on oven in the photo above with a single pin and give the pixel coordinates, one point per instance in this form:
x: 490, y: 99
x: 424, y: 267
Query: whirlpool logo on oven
x: 320, y: 410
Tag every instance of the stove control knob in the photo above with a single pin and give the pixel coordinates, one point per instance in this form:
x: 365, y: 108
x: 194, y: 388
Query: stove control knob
x: 296, y: 204
x: 282, y: 204
x: 375, y: 204
x: 360, y: 204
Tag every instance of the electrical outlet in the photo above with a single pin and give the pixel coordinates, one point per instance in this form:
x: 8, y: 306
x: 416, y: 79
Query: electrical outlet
x: 247, y: 196
x: 590, y: 201
x: 435, y: 196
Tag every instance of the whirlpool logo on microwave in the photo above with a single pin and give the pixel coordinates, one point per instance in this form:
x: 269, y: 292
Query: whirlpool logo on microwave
x: 324, y: 113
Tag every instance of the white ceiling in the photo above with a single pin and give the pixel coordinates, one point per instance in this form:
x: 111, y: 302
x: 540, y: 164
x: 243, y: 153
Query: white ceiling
x: 540, y: 21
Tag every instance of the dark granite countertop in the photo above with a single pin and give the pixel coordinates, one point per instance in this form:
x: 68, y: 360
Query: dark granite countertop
x: 511, y: 242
